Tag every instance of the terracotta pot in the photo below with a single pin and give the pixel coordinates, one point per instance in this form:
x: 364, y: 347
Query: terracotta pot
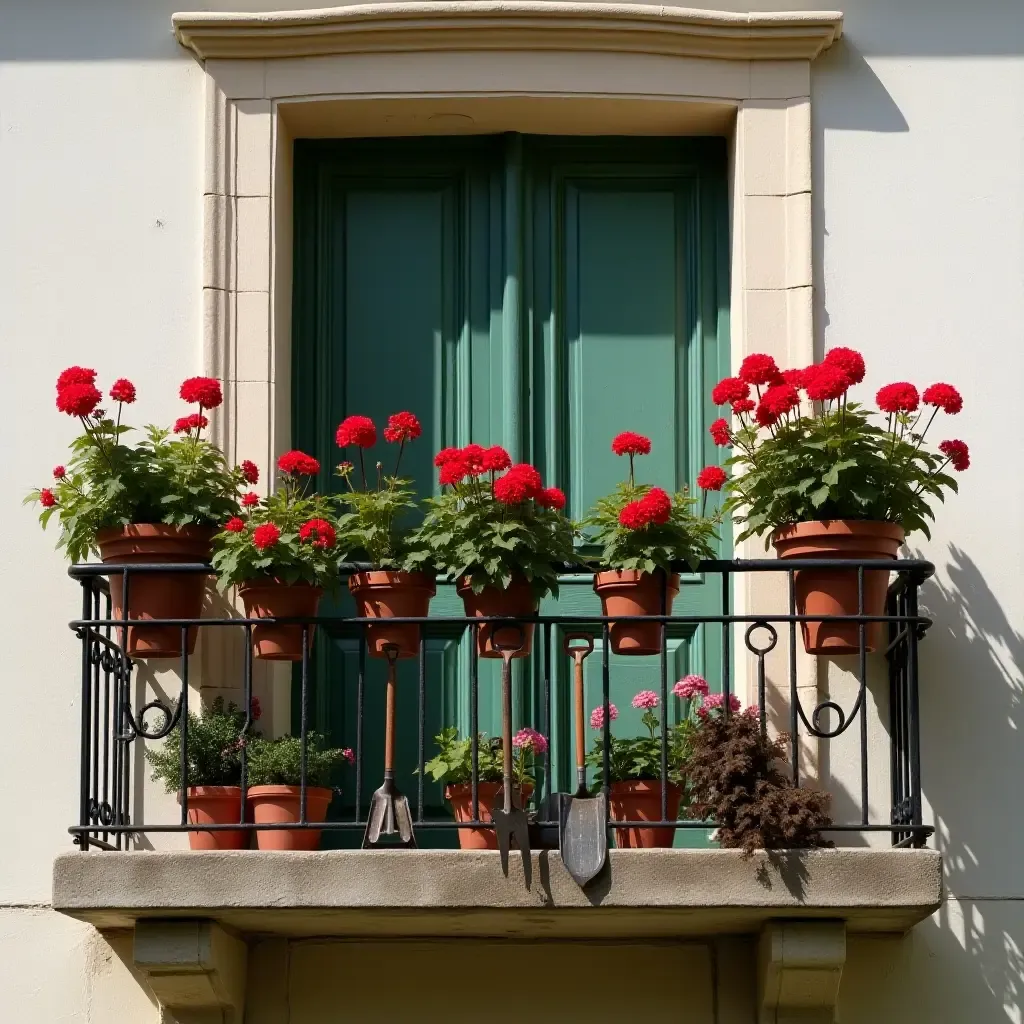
x: 156, y: 595
x: 216, y: 805
x: 834, y: 591
x: 386, y: 595
x: 460, y: 797
x: 518, y: 599
x: 627, y: 592
x: 273, y: 600
x: 640, y: 800
x: 272, y: 805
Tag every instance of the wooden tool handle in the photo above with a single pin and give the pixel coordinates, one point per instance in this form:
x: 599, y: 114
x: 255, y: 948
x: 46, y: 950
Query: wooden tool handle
x: 578, y: 683
x: 389, y: 714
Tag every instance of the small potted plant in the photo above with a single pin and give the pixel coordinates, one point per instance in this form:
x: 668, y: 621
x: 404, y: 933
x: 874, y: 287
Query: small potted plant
x: 826, y: 481
x: 634, y: 781
x: 213, y: 753
x: 453, y: 768
x: 372, y: 529
x: 642, y: 530
x: 275, y: 778
x: 502, y: 537
x: 159, y: 500
x: 280, y: 553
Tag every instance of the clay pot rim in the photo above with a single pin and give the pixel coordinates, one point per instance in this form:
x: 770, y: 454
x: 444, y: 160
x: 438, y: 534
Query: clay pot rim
x: 642, y: 785
x: 214, y: 791
x: 465, y: 788
x: 277, y: 789
x: 249, y: 586
x: 464, y: 585
x: 629, y: 577
x: 827, y: 529
x: 392, y: 578
x: 144, y: 531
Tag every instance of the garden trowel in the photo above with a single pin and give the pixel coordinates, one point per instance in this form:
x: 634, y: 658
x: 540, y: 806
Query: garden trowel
x: 509, y: 819
x: 583, y: 818
x: 389, y: 810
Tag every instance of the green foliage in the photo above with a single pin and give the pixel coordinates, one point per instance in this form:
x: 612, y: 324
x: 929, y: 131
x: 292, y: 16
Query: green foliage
x: 834, y: 465
x: 468, y: 532
x: 213, y: 749
x: 453, y: 764
x: 180, y: 481
x: 279, y: 762
x: 291, y: 559
x: 639, y: 757
x: 685, y: 537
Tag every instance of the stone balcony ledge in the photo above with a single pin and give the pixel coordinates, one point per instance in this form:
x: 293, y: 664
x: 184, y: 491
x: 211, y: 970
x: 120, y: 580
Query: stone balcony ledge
x: 642, y: 893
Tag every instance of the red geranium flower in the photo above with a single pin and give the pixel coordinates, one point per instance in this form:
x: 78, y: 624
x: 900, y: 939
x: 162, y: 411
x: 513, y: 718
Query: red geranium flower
x: 711, y: 478
x: 195, y: 421
x: 250, y: 472
x: 78, y: 399
x: 825, y: 382
x: 356, y: 430
x: 657, y: 504
x: 59, y: 472
x: 446, y: 455
x: 123, y: 391
x: 522, y: 481
x: 496, y: 459
x: 234, y: 525
x: 847, y: 361
x: 945, y: 397
x: 320, y: 532
x: 629, y: 443
x: 765, y: 417
x: 453, y: 470
x: 205, y: 391
x: 957, y: 453
x: 75, y: 375
x: 250, y: 499
x: 474, y: 456
x: 298, y: 463
x: 898, y: 397
x: 758, y: 368
x: 720, y: 432
x: 742, y: 405
x: 635, y: 516
x: 794, y: 377
x: 551, y: 497
x: 47, y: 498
x: 730, y: 389
x: 402, y: 426
x: 265, y: 536
x: 778, y: 400
x: 255, y: 711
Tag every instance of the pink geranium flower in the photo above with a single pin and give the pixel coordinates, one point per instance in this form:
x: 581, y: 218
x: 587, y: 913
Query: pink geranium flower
x: 691, y: 686
x: 597, y: 716
x: 645, y: 700
x: 530, y: 739
x: 716, y: 702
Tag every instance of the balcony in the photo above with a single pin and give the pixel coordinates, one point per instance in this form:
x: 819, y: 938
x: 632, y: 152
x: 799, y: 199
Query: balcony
x: 880, y: 876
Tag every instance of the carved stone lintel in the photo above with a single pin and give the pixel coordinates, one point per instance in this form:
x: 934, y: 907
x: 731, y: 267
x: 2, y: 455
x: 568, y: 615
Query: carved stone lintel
x: 196, y: 970
x: 800, y: 964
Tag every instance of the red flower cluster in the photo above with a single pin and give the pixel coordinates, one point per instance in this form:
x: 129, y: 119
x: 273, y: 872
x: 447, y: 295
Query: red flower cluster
x: 319, y: 532
x: 204, y: 391
x: 402, y: 427
x: 743, y: 405
x: 356, y: 430
x: 758, y: 369
x: 473, y: 460
x: 250, y: 499
x: 944, y: 397
x: 958, y: 454
x: 495, y: 459
x: 720, y: 432
x: 265, y: 536
x: 250, y: 472
x: 195, y: 421
x: 234, y: 525
x: 47, y: 498
x: 776, y: 402
x: 825, y: 382
x: 848, y: 362
x: 78, y: 398
x: 711, y: 478
x: 552, y: 497
x: 520, y: 483
x: 123, y: 391
x: 899, y: 397
x: 75, y: 375
x: 731, y: 390
x: 654, y: 507
x: 298, y: 463
x: 629, y: 443
x: 59, y: 472
x: 255, y: 711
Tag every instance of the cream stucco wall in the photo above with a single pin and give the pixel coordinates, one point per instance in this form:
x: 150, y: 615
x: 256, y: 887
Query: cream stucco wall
x: 918, y: 261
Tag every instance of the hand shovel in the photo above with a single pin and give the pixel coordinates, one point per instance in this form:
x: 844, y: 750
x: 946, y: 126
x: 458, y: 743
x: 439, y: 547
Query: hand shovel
x: 510, y: 820
x: 389, y: 810
x: 583, y: 818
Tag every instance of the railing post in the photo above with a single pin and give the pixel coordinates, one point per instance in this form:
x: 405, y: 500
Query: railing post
x: 83, y: 793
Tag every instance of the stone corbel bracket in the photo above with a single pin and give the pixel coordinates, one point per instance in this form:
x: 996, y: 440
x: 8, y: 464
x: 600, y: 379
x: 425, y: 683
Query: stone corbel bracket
x: 196, y: 969
x: 510, y: 25
x: 800, y: 964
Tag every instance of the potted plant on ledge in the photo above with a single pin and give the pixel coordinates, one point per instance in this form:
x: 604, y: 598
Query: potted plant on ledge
x: 275, y: 777
x: 825, y: 480
x: 453, y: 768
x: 280, y: 553
x: 157, y: 501
x: 372, y: 529
x: 642, y: 530
x: 502, y: 537
x: 213, y: 752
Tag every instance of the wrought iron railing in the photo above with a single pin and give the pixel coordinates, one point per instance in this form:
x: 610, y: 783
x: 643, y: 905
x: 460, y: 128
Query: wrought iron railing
x: 111, y: 721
